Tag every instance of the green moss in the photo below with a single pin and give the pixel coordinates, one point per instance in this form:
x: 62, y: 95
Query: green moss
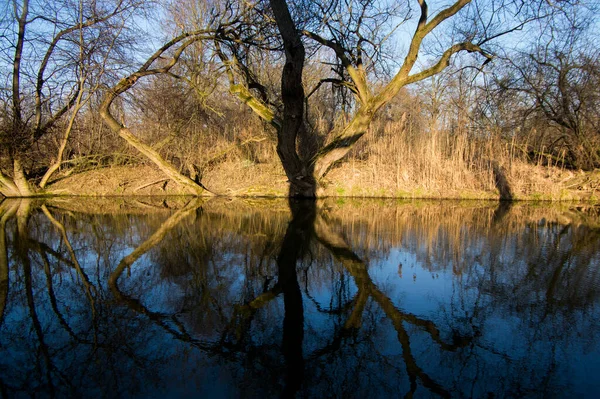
x: 341, y: 191
x: 565, y: 195
x: 540, y: 197
x: 382, y: 193
x: 402, y: 194
x: 419, y: 192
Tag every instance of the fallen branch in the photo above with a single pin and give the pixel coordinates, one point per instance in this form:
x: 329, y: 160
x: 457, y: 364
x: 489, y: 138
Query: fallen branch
x: 150, y: 184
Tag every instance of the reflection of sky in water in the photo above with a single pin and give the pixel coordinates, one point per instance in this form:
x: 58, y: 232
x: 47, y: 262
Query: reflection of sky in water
x: 570, y: 358
x: 503, y: 311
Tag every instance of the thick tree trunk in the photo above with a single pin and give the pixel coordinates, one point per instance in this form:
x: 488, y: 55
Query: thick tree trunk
x: 298, y: 171
x: 20, y: 180
x: 8, y: 187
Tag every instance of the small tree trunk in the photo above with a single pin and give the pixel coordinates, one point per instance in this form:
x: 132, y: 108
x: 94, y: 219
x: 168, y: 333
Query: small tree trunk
x: 501, y: 180
x: 54, y: 167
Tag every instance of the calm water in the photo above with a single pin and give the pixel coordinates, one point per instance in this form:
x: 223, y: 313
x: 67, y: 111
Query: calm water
x: 233, y: 298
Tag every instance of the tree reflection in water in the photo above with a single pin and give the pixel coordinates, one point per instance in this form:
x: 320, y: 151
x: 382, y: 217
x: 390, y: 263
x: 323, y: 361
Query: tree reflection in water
x: 365, y: 299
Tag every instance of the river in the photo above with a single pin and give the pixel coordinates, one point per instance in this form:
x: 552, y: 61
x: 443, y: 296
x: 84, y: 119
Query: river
x: 179, y: 297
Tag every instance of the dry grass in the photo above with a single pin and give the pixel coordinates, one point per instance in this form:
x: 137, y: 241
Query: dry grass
x: 394, y: 159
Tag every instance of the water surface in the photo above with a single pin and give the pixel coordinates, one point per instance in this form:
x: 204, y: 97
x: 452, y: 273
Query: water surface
x: 261, y: 298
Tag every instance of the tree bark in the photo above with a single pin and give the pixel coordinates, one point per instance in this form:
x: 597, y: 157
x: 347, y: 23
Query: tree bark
x: 343, y: 143
x: 16, y: 78
x: 180, y: 43
x: 298, y: 171
x: 20, y: 179
x: 17, y: 186
x: 190, y: 186
x: 59, y: 156
x: 7, y: 186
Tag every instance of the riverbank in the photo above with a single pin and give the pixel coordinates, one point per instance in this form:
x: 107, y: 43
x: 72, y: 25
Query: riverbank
x: 351, y: 179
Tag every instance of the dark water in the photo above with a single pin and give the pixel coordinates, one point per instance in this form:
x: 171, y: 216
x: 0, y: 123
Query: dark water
x: 232, y: 298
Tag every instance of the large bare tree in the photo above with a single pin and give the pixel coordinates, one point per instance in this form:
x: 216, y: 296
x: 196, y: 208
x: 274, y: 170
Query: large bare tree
x: 355, y: 35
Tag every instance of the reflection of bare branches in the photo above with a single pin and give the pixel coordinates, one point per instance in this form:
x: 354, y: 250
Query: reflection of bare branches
x: 52, y: 297
x: 154, y: 239
x: 162, y: 320
x: 84, y: 278
x: 36, y: 322
x: 22, y: 246
x: 7, y: 210
x: 357, y: 268
x: 167, y: 322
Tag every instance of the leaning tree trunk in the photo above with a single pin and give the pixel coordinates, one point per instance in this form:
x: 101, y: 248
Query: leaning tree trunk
x: 188, y: 184
x: 342, y: 144
x: 177, y: 46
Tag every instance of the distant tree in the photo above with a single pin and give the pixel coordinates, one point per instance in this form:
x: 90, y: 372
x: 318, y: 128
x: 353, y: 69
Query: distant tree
x: 561, y: 87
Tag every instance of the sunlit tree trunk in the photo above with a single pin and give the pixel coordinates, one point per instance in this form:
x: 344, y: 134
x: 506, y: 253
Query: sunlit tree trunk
x: 343, y: 143
x: 188, y: 184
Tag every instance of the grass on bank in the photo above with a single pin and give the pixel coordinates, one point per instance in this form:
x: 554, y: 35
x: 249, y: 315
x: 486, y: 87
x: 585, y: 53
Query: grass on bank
x: 392, y: 160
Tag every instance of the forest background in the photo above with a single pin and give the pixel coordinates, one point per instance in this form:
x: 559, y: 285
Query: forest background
x: 452, y: 99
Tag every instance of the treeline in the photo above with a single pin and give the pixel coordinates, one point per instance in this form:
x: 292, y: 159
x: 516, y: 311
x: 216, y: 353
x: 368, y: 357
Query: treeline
x: 423, y: 92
